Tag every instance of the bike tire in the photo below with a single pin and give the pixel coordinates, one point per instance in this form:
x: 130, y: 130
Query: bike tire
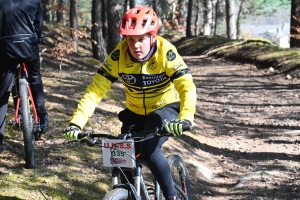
x: 180, y: 176
x: 26, y: 124
x: 116, y: 194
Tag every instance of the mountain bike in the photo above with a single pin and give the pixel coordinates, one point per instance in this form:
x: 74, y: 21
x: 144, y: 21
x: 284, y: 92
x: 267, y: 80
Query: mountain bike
x: 25, y: 116
x: 119, y: 153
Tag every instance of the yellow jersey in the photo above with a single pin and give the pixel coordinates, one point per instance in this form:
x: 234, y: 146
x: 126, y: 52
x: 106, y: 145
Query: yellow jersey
x: 163, y: 79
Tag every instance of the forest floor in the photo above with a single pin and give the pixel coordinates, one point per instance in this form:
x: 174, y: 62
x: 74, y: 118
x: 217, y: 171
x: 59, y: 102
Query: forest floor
x: 246, y: 144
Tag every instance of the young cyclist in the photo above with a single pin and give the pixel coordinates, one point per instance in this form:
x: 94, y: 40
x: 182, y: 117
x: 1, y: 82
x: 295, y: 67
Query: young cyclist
x: 159, y: 90
x: 21, y: 25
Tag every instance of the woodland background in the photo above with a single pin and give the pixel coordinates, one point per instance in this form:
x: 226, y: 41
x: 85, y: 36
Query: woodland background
x: 99, y: 19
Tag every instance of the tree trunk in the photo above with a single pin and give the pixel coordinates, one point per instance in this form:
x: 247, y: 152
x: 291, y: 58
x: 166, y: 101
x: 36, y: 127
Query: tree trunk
x: 213, y: 16
x: 104, y: 22
x: 114, y: 9
x: 98, y: 43
x: 207, y: 17
x: 217, y: 4
x: 198, y: 17
x: 74, y: 23
x: 189, y: 19
x: 230, y: 19
x: 60, y: 12
x: 46, y: 10
x: 125, y: 6
x: 154, y: 5
x: 181, y: 17
x: 295, y: 23
x: 131, y: 3
x: 238, y: 20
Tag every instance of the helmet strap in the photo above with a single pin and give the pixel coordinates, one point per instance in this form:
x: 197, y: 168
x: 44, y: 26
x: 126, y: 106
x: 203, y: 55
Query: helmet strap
x: 153, y: 39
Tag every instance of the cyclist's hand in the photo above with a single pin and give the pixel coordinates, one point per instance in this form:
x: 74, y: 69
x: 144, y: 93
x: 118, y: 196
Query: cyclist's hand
x: 175, y: 126
x: 71, y: 133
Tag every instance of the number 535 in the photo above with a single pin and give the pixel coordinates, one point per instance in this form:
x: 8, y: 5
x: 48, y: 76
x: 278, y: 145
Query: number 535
x: 118, y: 153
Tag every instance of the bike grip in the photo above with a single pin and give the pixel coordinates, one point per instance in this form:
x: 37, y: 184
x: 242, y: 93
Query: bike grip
x: 81, y: 135
x: 187, y: 127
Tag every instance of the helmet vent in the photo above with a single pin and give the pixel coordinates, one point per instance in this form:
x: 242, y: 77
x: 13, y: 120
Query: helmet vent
x: 144, y: 22
x: 133, y: 23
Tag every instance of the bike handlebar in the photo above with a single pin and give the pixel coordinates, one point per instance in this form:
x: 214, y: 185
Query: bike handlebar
x: 142, y: 136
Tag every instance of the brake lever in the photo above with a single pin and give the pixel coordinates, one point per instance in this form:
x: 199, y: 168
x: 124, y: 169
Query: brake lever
x: 125, y: 136
x: 89, y: 140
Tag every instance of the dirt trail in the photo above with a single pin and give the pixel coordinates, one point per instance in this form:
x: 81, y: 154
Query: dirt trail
x: 246, y: 144
x: 248, y: 132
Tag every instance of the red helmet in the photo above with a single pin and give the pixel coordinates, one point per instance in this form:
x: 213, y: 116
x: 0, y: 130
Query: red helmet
x: 138, y: 21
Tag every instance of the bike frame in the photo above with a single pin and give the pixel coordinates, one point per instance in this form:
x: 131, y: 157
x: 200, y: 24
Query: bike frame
x: 22, y: 73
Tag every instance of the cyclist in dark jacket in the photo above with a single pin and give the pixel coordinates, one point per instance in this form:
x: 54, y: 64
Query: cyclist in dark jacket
x: 21, y: 25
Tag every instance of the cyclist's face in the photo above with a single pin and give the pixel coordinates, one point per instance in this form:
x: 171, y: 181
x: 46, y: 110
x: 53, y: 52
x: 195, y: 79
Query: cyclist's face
x: 140, y: 45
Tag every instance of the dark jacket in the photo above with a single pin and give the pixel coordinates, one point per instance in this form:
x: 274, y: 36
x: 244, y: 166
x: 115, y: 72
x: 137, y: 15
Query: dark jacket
x: 21, y: 23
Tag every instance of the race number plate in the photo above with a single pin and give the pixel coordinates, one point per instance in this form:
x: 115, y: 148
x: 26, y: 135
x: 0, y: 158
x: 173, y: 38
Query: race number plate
x: 118, y: 153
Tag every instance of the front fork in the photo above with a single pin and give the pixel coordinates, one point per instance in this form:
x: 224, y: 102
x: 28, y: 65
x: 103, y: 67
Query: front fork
x: 138, y: 179
x: 21, y: 72
x: 30, y: 102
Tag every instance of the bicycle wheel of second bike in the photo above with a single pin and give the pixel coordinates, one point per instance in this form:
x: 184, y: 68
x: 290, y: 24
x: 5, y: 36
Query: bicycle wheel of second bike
x: 27, y: 125
x: 180, y: 176
x: 116, y: 194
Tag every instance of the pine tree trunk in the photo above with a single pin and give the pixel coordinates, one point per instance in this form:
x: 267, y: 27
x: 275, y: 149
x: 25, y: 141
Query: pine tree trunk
x: 98, y: 43
x: 230, y: 19
x: 46, y: 10
x: 74, y: 23
x: 189, y: 19
x: 114, y: 12
x: 60, y: 12
x: 295, y: 23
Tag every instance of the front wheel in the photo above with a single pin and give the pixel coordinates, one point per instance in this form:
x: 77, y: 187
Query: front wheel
x: 180, y: 176
x: 117, y: 194
x: 26, y: 124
